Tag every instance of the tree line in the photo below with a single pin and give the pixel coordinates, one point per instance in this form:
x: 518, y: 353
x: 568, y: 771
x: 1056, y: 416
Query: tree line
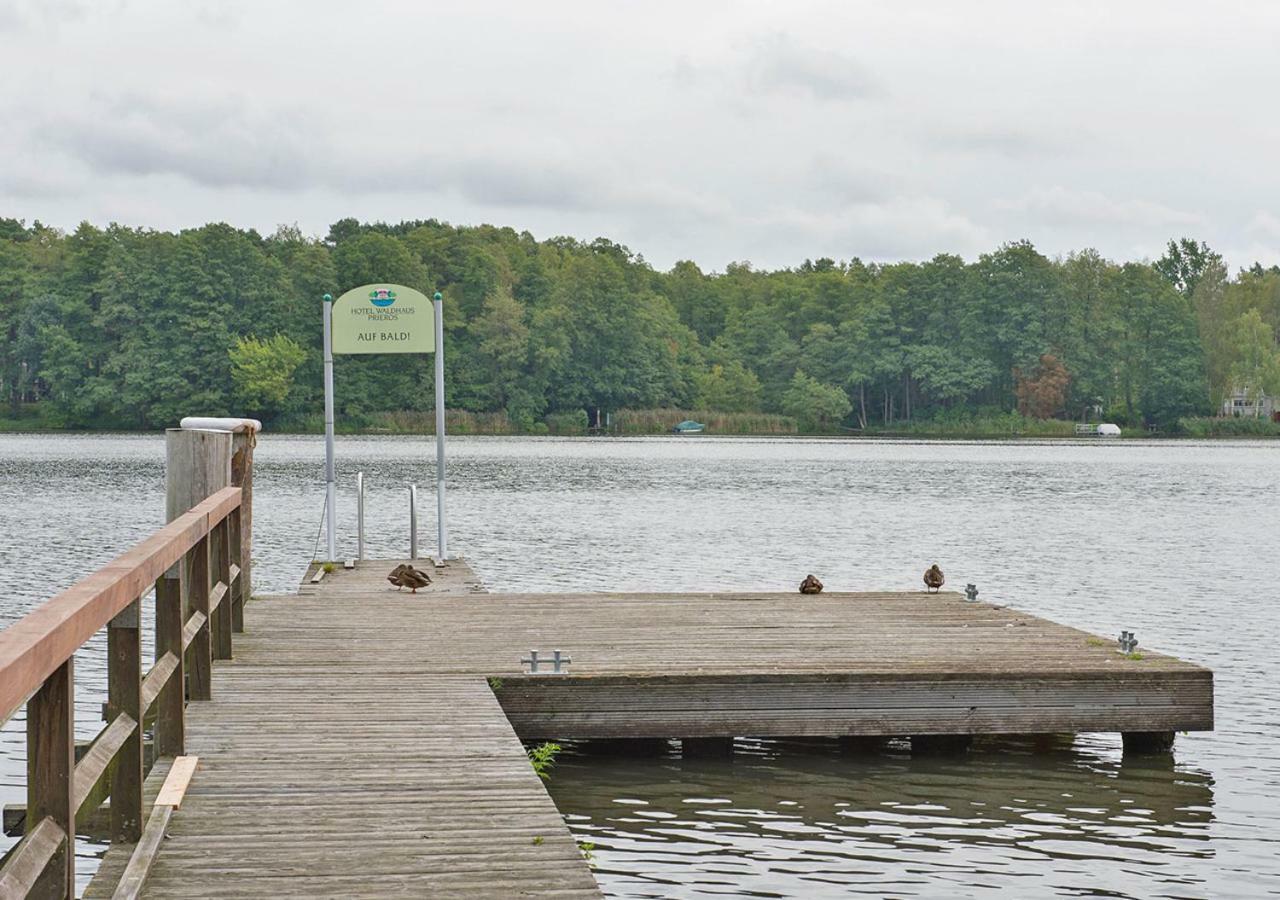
x: 132, y: 328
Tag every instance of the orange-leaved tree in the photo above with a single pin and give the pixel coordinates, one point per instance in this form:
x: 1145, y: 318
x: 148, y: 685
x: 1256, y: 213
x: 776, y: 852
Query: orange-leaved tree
x: 1043, y: 392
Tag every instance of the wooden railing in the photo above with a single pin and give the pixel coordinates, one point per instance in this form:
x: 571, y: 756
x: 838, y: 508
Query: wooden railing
x: 194, y: 563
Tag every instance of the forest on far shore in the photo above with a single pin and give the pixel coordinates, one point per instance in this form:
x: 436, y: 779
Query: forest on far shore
x: 129, y: 328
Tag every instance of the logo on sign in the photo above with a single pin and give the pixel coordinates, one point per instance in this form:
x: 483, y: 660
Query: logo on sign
x: 382, y: 297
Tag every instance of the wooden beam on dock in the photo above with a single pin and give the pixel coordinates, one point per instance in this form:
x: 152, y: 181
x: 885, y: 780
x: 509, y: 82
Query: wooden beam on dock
x: 144, y: 854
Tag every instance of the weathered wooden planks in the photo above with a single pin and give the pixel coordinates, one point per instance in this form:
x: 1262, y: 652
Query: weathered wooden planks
x: 354, y: 747
x: 403, y: 784
x: 326, y: 780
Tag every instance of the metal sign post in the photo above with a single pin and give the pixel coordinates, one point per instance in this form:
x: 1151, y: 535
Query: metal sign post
x: 380, y: 318
x: 331, y: 488
x: 441, y: 531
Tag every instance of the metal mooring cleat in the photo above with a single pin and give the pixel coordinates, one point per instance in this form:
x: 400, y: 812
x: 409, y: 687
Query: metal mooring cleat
x: 557, y: 661
x: 1128, y: 643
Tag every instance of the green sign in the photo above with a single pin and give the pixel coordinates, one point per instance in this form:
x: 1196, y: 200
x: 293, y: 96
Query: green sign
x: 383, y: 318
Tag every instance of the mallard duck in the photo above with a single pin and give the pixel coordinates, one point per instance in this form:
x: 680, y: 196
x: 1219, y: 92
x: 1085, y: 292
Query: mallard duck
x: 413, y: 579
x: 933, y: 578
x: 397, y: 574
x: 811, y: 585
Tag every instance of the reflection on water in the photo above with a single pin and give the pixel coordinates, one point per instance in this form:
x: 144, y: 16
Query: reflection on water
x: 1173, y: 540
x: 800, y: 819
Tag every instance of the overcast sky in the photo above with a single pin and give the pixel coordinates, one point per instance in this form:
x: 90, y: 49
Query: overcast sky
x: 768, y: 132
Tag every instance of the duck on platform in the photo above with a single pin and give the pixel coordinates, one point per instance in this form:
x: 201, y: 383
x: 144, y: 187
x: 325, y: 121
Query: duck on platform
x: 396, y: 574
x: 811, y: 585
x: 933, y: 578
x: 405, y: 575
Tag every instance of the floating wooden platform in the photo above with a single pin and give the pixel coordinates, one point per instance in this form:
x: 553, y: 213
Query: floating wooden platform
x: 355, y: 747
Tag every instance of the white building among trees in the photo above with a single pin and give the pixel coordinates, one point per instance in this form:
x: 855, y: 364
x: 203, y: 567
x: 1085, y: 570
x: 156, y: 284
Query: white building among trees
x: 1249, y: 405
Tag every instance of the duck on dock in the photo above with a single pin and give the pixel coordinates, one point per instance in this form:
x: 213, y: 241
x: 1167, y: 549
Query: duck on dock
x: 396, y: 574
x: 933, y: 578
x: 405, y: 575
x: 811, y: 585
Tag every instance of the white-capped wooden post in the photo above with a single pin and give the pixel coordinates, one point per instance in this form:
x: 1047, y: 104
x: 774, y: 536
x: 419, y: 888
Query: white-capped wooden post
x: 243, y: 436
x: 197, y: 464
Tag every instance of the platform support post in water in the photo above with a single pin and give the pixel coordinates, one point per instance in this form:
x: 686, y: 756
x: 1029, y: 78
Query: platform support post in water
x: 707, y: 748
x: 859, y: 745
x: 1147, y: 741
x: 940, y: 744
x: 331, y: 487
x: 441, y: 529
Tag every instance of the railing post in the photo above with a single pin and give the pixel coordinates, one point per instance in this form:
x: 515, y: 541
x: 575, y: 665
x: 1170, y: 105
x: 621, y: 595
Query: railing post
x: 200, y: 652
x: 220, y: 571
x: 51, y: 762
x: 242, y: 444
x: 197, y: 464
x: 170, y: 706
x: 238, y: 595
x: 124, y: 695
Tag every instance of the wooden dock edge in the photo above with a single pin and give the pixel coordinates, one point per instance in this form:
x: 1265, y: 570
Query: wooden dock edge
x: 863, y: 705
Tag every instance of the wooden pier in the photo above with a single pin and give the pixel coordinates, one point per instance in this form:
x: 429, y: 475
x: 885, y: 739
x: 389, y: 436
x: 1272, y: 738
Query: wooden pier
x: 365, y: 741
x: 359, y: 741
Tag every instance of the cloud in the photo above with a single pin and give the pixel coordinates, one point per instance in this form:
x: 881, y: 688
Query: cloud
x: 845, y: 180
x: 697, y: 131
x: 1060, y: 206
x: 218, y: 143
x: 996, y: 140
x: 28, y: 178
x: 231, y: 143
x: 902, y: 227
x: 27, y: 15
x: 1265, y: 225
x: 516, y: 183
x: 778, y: 64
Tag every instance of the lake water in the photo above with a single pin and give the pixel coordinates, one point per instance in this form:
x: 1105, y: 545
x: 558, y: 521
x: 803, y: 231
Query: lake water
x: 1174, y: 540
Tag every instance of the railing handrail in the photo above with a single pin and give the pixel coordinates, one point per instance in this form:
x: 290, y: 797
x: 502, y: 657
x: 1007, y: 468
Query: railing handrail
x: 42, y: 640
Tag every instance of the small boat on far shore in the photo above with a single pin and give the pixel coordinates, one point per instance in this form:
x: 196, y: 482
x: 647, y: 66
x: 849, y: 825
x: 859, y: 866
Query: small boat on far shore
x: 688, y: 426
x: 1106, y: 429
